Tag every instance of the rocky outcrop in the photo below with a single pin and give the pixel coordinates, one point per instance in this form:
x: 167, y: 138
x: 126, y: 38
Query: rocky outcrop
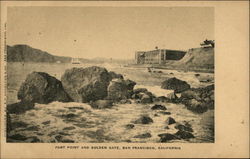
x: 198, y: 99
x: 120, y: 89
x: 184, y: 134
x: 40, y: 87
x: 175, y: 84
x: 86, y: 84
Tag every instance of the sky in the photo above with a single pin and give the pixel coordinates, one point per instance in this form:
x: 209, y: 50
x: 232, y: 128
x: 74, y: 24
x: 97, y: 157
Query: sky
x: 111, y: 32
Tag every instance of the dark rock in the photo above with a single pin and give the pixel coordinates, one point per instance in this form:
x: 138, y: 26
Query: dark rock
x: 17, y: 137
x: 86, y: 84
x: 170, y: 121
x: 119, y: 89
x: 144, y: 120
x: 142, y: 136
x: 145, y: 99
x: 130, y: 126
x: 167, y: 137
x: 197, y: 75
x: 175, y: 84
x: 115, y: 75
x: 184, y: 134
x: 40, y: 87
x: 183, y: 127
x: 20, y: 107
x: 67, y: 141
x: 158, y: 107
x: 140, y: 90
x: 101, y: 104
x: 198, y: 100
x: 166, y: 127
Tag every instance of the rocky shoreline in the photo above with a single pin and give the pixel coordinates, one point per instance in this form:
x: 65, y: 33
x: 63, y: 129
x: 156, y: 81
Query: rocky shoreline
x: 104, y: 90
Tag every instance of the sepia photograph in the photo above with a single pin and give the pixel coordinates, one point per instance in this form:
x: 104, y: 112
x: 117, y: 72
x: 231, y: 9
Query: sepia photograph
x: 124, y: 79
x: 110, y: 74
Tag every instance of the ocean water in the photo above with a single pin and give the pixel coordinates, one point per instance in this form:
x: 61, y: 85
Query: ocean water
x: 50, y: 122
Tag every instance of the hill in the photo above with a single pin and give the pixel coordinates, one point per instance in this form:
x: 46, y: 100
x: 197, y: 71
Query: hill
x: 25, y: 53
x: 197, y: 58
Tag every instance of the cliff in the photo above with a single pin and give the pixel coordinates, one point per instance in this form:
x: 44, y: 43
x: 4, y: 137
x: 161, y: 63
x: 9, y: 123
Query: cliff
x: 197, y: 59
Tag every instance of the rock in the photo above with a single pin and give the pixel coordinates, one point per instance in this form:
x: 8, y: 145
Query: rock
x: 158, y: 107
x: 196, y: 106
x: 20, y: 107
x: 182, y: 127
x: 101, y: 104
x: 119, y: 89
x: 130, y: 84
x: 18, y: 137
x: 86, y: 84
x: 198, y: 100
x: 144, y: 120
x: 40, y: 87
x: 184, y: 134
x: 197, y: 75
x: 166, y: 127
x: 167, y: 137
x: 175, y: 84
x: 146, y: 99
x: 130, y: 126
x: 170, y: 121
x: 190, y: 94
x: 143, y: 136
x: 115, y: 75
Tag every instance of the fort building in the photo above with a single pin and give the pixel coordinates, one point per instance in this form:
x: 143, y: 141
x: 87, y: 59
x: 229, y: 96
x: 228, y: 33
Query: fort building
x: 157, y: 56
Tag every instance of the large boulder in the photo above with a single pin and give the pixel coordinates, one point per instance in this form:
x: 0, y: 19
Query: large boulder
x: 120, y: 89
x: 86, y: 84
x: 20, y: 107
x: 40, y: 87
x: 175, y: 84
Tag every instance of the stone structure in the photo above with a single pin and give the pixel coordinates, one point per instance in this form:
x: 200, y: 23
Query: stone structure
x: 158, y: 56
